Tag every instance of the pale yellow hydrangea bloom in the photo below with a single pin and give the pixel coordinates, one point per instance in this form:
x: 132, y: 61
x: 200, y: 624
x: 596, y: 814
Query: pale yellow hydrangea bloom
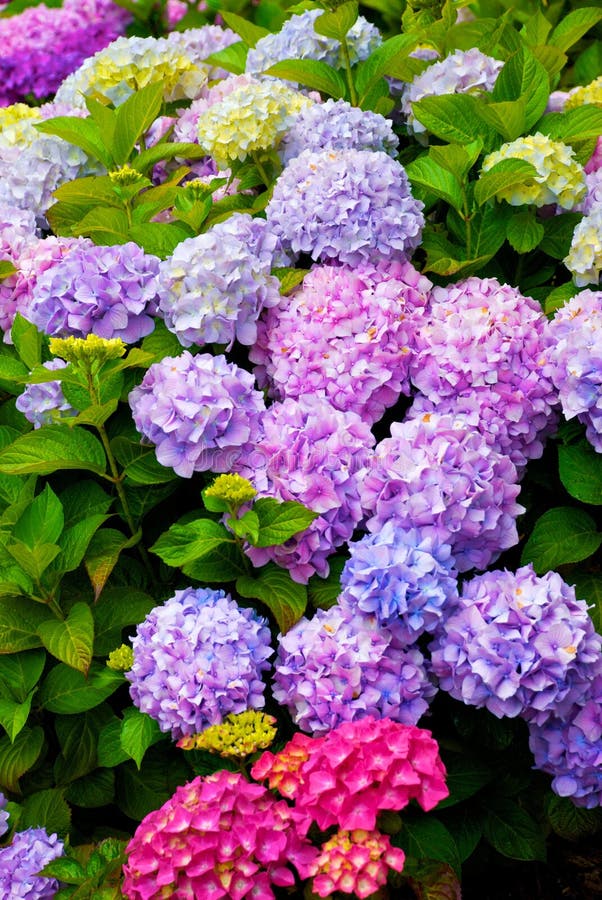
x: 588, y: 93
x: 584, y: 259
x: 16, y: 121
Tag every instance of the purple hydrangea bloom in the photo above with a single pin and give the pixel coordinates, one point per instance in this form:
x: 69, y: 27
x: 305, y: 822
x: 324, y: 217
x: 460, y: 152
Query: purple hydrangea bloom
x: 353, y: 206
x: 462, y: 72
x: 336, y: 125
x: 576, y: 354
x: 201, y: 412
x: 569, y: 747
x: 518, y: 644
x: 297, y: 39
x: 484, y: 337
x: 595, y: 160
x: 342, y: 666
x: 4, y: 815
x: 43, y: 404
x: 197, y: 658
x: 29, y: 852
x: 593, y: 197
x: 437, y: 472
x: 213, y: 287
x: 347, y: 334
x: 317, y: 455
x: 107, y: 291
x: 406, y: 575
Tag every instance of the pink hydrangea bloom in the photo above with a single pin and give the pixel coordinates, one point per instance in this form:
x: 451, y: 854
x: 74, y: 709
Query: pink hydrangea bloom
x: 355, y: 862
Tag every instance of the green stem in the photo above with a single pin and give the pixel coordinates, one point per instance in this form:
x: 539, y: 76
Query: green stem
x: 261, y: 169
x: 348, y: 72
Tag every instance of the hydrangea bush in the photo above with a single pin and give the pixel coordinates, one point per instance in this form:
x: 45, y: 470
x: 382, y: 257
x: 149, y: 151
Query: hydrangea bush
x: 300, y: 435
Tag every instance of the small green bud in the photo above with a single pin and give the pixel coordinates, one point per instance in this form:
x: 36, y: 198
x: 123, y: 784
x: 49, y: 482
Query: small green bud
x: 121, y: 659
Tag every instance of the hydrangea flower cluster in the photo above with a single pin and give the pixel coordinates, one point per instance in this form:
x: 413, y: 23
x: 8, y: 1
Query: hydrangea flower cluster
x: 197, y: 658
x: 353, y: 206
x: 462, y: 72
x: 346, y: 334
x: 214, y: 286
x: 336, y: 125
x: 4, y: 815
x: 217, y: 836
x: 559, y: 180
x: 518, y: 644
x: 438, y: 473
x: 576, y: 355
x: 593, y: 197
x: 201, y: 412
x: 107, y: 291
x: 199, y: 43
x: 253, y: 117
x: 349, y: 775
x: 41, y: 46
x: 585, y: 93
x: 317, y: 455
x: 404, y: 577
x: 584, y: 259
x: 342, y: 665
x: 43, y: 404
x: 238, y: 736
x: 21, y: 861
x: 569, y: 747
x: 186, y: 126
x: 483, y: 338
x: 297, y: 39
x: 355, y: 862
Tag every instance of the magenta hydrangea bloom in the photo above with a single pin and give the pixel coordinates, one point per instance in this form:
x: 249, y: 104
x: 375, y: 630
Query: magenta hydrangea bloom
x: 22, y: 861
x: 404, y: 577
x: 346, y: 334
x: 439, y: 473
x: 214, y: 286
x: 317, y: 455
x: 347, y: 776
x: 197, y: 658
x: 43, y: 404
x: 337, y: 125
x: 355, y: 862
x: 569, y: 747
x: 576, y: 355
x: 106, y: 291
x: 218, y: 836
x: 353, y: 206
x: 201, y: 412
x: 343, y: 665
x: 518, y: 644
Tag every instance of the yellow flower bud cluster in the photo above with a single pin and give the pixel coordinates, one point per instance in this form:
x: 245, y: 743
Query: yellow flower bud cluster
x: 236, y: 737
x: 121, y: 659
x: 87, y: 350
x: 232, y: 489
x: 125, y: 175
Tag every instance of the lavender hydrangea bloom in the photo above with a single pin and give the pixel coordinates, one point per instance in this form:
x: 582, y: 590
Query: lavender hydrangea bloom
x: 4, y: 815
x: 336, y: 125
x: 353, y: 206
x: 340, y: 667
x: 199, y: 43
x: 197, y: 658
x: 437, y: 472
x: 569, y: 747
x: 297, y: 39
x: 519, y: 644
x: 29, y: 852
x: 482, y: 336
x: 107, y: 291
x: 461, y: 72
x: 576, y: 354
x: 593, y: 197
x: 201, y: 412
x: 406, y: 575
x: 317, y: 455
x: 43, y: 404
x: 214, y: 286
x: 347, y: 334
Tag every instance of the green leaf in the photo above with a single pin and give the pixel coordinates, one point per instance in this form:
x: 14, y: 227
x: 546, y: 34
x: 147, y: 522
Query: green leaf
x: 571, y: 822
x: 289, y: 278
x: 6, y: 269
x: 46, y: 809
x: 96, y: 414
x: 42, y: 521
x: 562, y: 535
x: 246, y: 526
x: 503, y: 175
x: 133, y: 118
x: 52, y: 448
x: 428, y: 838
x: 466, y: 825
x: 465, y: 776
x: 452, y: 117
x: 232, y: 58
x: 324, y: 592
x: 391, y: 54
x: 573, y: 26
x: 93, y: 790
x: 523, y: 77
x: 336, y: 24
x: 19, y: 673
x: 69, y: 871
x: 33, y: 561
x: 279, y: 521
x: 161, y: 343
x: 102, y: 555
x: 13, y: 374
x: 224, y: 563
x: 27, y: 341
x: 138, y: 732
x: 13, y: 716
x: 104, y: 225
x: 66, y: 691
x: 140, y: 463
x: 159, y: 238
x: 578, y: 125
x: 20, y: 619
x: 83, y: 133
x: 110, y: 751
x: 116, y: 609
x: 536, y: 29
x: 558, y: 234
x: 139, y: 791
x: 580, y: 469
x: 71, y: 641
x: 524, y: 232
x: 105, y: 118
x: 18, y: 757
x: 506, y: 116
x: 558, y: 296
x: 248, y: 31
x: 552, y: 59
x: 184, y: 543
x: 285, y: 598
x: 78, y: 737
x: 588, y: 65
x: 588, y: 587
x: 74, y: 542
x: 437, y: 180
x: 456, y: 158
x: 311, y: 73
x: 513, y: 832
